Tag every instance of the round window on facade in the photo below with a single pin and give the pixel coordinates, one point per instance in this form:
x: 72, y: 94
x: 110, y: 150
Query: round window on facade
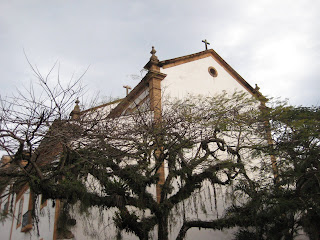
x: 213, y: 72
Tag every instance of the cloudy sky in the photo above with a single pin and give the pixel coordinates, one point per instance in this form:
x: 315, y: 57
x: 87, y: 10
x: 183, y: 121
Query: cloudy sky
x: 272, y: 43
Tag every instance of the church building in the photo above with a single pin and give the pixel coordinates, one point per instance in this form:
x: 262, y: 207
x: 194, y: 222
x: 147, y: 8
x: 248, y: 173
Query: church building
x: 203, y: 73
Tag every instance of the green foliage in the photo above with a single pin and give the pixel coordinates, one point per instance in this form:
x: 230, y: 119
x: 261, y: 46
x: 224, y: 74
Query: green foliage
x: 244, y: 234
x: 281, y: 208
x: 112, y: 163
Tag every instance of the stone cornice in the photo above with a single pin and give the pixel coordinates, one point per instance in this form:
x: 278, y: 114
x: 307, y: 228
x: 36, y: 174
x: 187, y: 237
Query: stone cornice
x: 142, y: 86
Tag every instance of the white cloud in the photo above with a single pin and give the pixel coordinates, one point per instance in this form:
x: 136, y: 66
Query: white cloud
x: 272, y: 43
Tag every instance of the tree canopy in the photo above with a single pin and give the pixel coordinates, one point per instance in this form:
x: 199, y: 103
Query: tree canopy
x: 283, y: 208
x: 203, y: 143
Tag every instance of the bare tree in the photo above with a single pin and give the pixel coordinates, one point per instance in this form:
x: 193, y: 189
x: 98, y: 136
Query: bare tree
x: 25, y: 120
x: 105, y: 162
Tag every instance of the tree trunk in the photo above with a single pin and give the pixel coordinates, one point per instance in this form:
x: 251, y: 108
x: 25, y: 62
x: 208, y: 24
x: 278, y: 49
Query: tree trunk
x: 163, y: 227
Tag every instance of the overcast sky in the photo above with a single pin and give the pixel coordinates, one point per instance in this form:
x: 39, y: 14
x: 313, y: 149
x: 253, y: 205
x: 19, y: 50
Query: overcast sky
x: 272, y: 43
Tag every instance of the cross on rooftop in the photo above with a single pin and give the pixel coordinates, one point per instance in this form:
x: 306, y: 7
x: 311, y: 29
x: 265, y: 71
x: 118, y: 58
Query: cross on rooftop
x: 206, y: 43
x: 127, y: 89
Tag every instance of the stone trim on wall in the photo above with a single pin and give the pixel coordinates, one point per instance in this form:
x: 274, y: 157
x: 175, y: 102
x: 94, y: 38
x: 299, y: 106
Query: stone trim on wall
x: 211, y: 53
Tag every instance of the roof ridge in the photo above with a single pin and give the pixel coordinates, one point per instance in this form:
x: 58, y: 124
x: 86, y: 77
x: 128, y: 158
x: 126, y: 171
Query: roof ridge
x: 206, y: 53
x: 102, y: 105
x: 167, y: 61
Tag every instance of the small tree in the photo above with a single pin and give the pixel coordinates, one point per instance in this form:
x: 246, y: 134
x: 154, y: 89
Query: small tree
x: 115, y: 162
x: 202, y: 142
x: 281, y: 209
x: 25, y: 122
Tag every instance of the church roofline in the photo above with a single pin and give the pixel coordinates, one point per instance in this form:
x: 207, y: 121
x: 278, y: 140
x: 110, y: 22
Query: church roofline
x: 184, y: 59
x: 143, y: 84
x: 207, y: 53
x: 101, y: 106
x: 136, y: 91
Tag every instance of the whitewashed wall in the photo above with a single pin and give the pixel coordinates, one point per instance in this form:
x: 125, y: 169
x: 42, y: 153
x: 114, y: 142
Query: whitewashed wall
x: 194, y: 78
x: 46, y: 221
x: 6, y: 221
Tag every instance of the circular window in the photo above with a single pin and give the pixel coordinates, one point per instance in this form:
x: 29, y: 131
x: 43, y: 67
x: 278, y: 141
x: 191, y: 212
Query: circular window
x: 213, y: 72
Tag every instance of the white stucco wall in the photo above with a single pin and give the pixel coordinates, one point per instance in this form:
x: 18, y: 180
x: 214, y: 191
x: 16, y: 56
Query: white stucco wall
x: 194, y: 78
x: 6, y: 219
x: 46, y: 222
x: 96, y: 224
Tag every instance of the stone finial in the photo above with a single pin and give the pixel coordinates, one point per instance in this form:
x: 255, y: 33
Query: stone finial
x: 153, y: 62
x: 153, y: 55
x: 5, y: 161
x: 257, y: 88
x: 75, y: 114
x: 76, y: 107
